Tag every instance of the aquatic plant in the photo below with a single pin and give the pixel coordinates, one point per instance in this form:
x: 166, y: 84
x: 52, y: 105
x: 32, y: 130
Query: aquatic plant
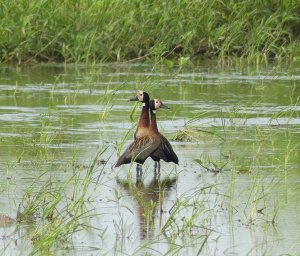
x: 55, y: 217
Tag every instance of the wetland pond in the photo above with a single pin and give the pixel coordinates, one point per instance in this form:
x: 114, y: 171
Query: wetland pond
x: 236, y: 190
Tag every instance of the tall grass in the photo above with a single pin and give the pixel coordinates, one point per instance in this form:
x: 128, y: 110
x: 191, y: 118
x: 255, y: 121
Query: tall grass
x: 116, y: 30
x: 53, y: 215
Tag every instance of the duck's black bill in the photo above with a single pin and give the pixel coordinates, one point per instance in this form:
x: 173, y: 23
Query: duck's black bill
x: 134, y: 99
x: 164, y: 106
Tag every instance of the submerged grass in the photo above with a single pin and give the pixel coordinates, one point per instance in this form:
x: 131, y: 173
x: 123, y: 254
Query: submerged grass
x: 89, y: 31
x: 54, y: 215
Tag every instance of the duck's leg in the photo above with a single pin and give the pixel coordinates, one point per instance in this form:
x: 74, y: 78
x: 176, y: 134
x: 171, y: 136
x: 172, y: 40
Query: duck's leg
x: 157, y: 168
x: 139, y: 171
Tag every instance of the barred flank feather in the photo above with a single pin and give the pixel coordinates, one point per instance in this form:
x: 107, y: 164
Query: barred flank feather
x: 139, y: 150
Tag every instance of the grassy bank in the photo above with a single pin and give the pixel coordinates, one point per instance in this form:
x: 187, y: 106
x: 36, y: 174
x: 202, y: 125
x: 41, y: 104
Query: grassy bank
x: 118, y: 30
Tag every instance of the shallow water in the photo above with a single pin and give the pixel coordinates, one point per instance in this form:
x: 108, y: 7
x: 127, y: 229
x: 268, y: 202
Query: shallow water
x: 242, y: 121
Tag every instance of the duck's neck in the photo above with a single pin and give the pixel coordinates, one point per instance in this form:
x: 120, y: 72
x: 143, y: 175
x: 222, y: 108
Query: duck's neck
x: 153, y: 125
x: 144, y: 121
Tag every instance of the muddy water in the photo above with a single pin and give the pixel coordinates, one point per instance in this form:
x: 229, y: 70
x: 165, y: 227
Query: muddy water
x: 234, y: 192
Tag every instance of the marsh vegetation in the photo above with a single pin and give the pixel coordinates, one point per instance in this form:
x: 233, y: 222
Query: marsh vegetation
x: 160, y: 31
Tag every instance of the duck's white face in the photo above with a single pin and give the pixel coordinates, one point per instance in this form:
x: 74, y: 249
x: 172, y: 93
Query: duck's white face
x: 140, y: 95
x: 157, y: 103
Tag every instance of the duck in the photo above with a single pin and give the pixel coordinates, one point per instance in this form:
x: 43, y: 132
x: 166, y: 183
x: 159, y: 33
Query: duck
x: 164, y: 151
x: 145, y: 141
x: 148, y: 141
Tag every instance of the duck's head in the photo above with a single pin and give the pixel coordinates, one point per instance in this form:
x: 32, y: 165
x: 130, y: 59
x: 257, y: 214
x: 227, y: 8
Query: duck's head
x: 141, y: 96
x: 156, y: 104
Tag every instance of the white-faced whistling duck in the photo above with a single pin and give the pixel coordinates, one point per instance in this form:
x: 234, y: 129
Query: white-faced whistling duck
x: 145, y: 142
x: 164, y: 151
x: 148, y: 141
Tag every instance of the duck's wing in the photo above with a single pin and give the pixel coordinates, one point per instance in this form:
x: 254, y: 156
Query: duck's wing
x: 139, y: 150
x: 165, y: 151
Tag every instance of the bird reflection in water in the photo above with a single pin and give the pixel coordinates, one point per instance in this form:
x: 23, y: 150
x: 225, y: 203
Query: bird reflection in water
x: 150, y: 200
